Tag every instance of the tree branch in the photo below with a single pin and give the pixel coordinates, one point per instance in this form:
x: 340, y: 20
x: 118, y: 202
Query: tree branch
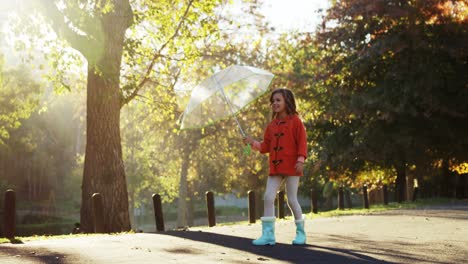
x: 157, y: 55
x: 76, y: 41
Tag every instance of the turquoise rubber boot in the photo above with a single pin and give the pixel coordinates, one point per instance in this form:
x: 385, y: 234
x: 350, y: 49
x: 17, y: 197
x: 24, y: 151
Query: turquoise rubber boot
x: 268, y: 232
x: 300, y: 233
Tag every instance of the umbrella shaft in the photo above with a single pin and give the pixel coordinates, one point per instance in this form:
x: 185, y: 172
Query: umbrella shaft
x: 230, y: 107
x: 240, y: 128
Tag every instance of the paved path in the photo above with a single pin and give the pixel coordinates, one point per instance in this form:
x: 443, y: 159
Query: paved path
x: 431, y: 235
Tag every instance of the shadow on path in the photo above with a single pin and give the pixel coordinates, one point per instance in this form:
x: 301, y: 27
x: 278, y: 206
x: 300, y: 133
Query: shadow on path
x: 37, y: 255
x: 282, y: 252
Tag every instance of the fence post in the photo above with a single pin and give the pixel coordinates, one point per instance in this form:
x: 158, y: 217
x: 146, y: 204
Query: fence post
x: 385, y: 194
x: 98, y: 213
x: 313, y: 204
x: 158, y: 213
x: 211, y: 208
x: 252, y: 208
x: 340, y: 198
x: 366, y: 198
x: 9, y: 214
x: 281, y: 204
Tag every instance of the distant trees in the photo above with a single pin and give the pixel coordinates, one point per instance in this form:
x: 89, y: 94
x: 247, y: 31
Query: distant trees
x: 381, y: 87
x: 19, y: 97
x: 128, y: 47
x: 390, y: 86
x: 39, y: 158
x: 136, y: 54
x: 156, y: 151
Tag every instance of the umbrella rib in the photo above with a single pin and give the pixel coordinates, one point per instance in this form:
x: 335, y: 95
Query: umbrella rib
x: 230, y: 107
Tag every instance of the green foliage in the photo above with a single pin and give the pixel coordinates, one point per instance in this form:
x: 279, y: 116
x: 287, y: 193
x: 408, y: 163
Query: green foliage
x: 39, y: 158
x: 151, y: 166
x: 388, y: 87
x: 157, y: 149
x: 18, y: 99
x: 167, y: 45
x: 45, y: 229
x: 373, y: 177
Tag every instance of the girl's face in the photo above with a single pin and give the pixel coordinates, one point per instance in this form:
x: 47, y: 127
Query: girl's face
x: 278, y: 105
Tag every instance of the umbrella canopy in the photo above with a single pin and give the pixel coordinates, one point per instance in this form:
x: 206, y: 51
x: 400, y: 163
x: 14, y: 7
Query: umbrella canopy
x: 223, y: 94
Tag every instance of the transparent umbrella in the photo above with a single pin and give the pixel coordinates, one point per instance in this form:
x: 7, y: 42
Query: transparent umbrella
x: 223, y: 94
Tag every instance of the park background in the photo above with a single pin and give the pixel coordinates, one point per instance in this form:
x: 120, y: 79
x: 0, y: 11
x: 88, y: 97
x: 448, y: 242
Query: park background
x: 381, y: 87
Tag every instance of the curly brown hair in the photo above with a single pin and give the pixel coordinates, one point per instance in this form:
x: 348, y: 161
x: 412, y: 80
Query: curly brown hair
x: 288, y: 99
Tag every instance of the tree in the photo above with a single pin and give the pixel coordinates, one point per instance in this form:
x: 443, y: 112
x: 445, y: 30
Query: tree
x: 18, y: 98
x: 391, y: 83
x: 127, y: 46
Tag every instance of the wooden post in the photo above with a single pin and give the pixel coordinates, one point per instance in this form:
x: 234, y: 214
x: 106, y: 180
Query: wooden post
x: 313, y: 203
x: 385, y: 194
x: 98, y: 213
x: 9, y: 214
x: 210, y: 208
x: 252, y: 208
x: 158, y: 213
x: 280, y: 204
x: 340, y: 199
x: 366, y: 198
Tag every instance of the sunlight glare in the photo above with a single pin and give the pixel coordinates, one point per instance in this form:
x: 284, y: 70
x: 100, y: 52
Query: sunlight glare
x: 301, y: 15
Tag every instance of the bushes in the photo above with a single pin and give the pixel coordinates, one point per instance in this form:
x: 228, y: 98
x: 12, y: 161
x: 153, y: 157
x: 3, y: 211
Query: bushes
x: 40, y: 224
x: 57, y: 228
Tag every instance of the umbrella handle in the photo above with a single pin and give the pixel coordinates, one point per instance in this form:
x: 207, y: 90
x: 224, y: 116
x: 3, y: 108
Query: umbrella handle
x: 247, y: 150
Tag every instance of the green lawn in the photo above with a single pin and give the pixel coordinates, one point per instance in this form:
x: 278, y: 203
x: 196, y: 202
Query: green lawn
x: 21, y: 240
x: 381, y: 207
x: 332, y: 213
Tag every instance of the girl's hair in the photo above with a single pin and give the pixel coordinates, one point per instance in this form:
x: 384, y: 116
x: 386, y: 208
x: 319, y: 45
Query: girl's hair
x: 288, y: 99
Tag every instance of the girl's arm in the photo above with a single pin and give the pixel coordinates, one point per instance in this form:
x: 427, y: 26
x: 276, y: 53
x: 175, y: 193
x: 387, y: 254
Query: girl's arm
x: 262, y: 147
x: 301, y: 137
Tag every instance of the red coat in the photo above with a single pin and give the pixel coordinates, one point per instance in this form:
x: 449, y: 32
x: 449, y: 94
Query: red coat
x: 285, y: 140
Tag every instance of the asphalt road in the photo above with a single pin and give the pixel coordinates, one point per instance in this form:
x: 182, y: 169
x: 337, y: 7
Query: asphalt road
x: 437, y: 234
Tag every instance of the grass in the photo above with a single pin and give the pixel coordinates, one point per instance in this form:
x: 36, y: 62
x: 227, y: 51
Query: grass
x: 362, y: 211
x: 359, y: 211
x: 21, y: 240
x: 12, y: 241
x: 380, y: 208
x: 331, y: 213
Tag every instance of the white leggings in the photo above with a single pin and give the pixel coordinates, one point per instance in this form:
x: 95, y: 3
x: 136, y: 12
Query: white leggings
x: 273, y: 184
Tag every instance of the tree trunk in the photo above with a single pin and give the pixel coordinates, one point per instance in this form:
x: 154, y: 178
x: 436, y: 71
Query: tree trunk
x: 463, y: 186
x: 348, y: 201
x: 191, y: 205
x: 445, y: 184
x: 183, y: 190
x: 103, y: 168
x: 409, y: 186
x: 400, y: 181
x: 187, y: 142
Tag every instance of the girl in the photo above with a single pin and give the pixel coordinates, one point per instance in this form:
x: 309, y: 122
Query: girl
x: 285, y: 141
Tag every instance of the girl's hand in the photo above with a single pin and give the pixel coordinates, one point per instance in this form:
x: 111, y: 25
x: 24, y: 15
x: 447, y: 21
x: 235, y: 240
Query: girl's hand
x: 299, y: 168
x: 248, y: 140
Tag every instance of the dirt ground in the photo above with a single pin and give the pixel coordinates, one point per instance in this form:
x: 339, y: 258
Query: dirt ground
x: 437, y: 234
